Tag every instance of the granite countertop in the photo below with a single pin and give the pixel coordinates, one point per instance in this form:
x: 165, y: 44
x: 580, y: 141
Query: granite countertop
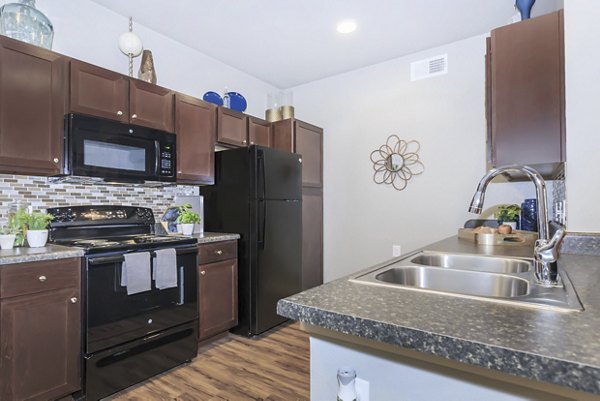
x: 48, y: 252
x: 562, y: 348
x: 207, y: 237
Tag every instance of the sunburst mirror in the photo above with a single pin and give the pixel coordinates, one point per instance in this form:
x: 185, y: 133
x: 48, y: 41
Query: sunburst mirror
x: 396, y: 162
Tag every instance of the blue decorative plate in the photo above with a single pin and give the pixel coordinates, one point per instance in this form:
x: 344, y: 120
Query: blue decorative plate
x: 237, y: 102
x: 213, y: 97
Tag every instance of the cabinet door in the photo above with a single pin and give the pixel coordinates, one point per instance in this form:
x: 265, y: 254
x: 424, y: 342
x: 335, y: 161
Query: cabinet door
x: 309, y: 143
x: 259, y: 132
x: 41, y: 340
x: 99, y: 92
x: 232, y: 128
x: 283, y: 135
x: 196, y: 128
x: 312, y: 237
x: 527, y: 90
x: 151, y: 105
x: 218, y: 297
x: 32, y: 106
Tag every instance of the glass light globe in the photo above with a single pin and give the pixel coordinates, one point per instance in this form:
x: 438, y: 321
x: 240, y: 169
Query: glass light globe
x: 130, y: 43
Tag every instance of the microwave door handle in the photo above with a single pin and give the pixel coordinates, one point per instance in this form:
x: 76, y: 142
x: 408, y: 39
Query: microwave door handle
x: 157, y: 159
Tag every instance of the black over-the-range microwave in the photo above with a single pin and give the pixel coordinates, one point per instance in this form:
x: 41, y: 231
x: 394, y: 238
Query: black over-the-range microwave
x: 115, y: 151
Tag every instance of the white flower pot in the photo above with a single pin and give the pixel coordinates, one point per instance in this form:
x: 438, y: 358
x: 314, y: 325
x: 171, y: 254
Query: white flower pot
x: 187, y: 229
x: 7, y: 241
x: 37, y: 238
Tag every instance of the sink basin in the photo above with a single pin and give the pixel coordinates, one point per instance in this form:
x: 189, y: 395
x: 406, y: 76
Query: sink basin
x: 473, y: 262
x: 489, y: 278
x: 456, y: 281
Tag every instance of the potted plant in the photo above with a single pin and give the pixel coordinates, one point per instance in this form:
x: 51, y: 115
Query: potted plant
x: 508, y: 214
x: 187, y: 218
x: 37, y: 232
x: 7, y: 237
x: 17, y: 224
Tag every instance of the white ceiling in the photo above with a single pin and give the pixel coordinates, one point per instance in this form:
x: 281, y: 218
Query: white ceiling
x: 287, y: 43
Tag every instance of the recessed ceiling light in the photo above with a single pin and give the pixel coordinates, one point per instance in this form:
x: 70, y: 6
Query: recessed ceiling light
x: 346, y: 26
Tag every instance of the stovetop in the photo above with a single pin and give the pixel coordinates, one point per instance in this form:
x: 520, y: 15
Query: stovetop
x: 105, y: 228
x: 128, y: 242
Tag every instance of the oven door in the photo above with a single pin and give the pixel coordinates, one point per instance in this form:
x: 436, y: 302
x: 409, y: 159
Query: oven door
x: 113, y: 317
x: 113, y: 150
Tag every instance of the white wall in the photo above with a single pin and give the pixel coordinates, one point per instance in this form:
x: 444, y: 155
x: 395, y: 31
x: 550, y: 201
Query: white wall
x: 358, y: 110
x: 582, y: 40
x: 90, y: 32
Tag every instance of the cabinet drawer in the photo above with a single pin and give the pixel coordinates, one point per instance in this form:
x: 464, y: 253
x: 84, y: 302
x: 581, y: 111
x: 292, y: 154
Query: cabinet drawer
x: 30, y: 278
x: 208, y: 253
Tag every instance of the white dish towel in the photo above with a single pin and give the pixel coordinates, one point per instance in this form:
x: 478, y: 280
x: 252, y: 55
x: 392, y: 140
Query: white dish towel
x: 135, y: 273
x: 165, y: 269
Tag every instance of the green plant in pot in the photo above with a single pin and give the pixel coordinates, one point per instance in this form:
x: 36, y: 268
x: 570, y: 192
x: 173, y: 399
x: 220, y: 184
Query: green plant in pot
x: 187, y: 218
x: 508, y: 214
x: 8, y: 235
x: 17, y: 224
x: 37, y: 228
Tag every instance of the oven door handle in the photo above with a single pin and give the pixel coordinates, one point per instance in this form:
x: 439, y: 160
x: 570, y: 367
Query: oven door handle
x: 98, y: 260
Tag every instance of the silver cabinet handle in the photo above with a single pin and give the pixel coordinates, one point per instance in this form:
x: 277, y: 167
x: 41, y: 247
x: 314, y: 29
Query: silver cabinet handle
x: 119, y: 113
x: 55, y: 160
x: 251, y: 143
x: 219, y: 252
x: 74, y: 300
x: 134, y: 116
x: 203, y: 272
x: 42, y: 278
x: 244, y: 141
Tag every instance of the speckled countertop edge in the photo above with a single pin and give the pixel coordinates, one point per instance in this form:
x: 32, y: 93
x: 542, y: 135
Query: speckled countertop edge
x: 49, y: 252
x: 552, y: 347
x: 215, y: 237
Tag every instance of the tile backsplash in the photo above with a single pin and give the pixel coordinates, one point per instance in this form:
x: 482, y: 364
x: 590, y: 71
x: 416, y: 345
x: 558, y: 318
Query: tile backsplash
x: 41, y: 194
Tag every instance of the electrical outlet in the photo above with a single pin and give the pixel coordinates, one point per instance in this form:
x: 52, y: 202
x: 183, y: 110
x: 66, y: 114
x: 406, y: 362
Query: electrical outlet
x: 362, y: 389
x: 396, y: 251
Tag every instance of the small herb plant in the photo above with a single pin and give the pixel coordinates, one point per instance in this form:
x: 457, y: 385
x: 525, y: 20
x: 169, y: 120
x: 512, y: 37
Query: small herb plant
x: 17, y: 223
x: 187, y: 215
x: 38, y: 220
x: 8, y: 230
x: 508, y: 212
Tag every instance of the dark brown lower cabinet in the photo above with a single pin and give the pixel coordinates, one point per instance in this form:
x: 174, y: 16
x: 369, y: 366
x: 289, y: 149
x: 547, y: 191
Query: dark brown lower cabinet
x: 40, y: 330
x: 312, y: 237
x: 217, y: 287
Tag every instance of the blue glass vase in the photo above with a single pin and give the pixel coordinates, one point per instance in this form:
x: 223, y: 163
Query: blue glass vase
x: 529, y: 215
x: 524, y: 7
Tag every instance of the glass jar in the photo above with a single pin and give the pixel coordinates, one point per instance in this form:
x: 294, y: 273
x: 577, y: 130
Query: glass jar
x: 24, y: 22
x: 529, y: 215
x: 17, y: 215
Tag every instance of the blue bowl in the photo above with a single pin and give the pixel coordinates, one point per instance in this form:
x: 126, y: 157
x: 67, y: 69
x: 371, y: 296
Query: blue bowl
x: 213, y: 97
x: 237, y: 102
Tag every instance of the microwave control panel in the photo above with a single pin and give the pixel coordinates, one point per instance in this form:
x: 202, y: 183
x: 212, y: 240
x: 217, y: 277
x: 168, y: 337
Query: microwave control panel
x: 167, y: 160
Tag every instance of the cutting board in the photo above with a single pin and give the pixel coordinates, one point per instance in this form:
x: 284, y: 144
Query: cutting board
x: 516, y: 238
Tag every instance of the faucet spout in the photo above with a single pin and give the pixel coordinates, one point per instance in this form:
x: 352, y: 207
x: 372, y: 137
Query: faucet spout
x: 546, y: 249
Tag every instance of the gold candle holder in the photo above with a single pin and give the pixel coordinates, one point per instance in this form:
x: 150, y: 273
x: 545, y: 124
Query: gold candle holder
x: 272, y: 115
x: 287, y: 112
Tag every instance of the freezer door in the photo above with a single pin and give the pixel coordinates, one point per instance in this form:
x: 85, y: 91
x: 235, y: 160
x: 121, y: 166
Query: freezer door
x: 279, y: 174
x: 279, y: 260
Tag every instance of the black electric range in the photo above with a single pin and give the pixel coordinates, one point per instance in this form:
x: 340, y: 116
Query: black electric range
x: 128, y: 338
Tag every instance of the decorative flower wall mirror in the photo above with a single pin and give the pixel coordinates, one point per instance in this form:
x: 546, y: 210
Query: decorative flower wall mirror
x: 396, y: 162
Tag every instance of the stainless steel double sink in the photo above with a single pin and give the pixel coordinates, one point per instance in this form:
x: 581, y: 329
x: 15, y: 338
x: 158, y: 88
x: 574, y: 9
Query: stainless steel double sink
x: 492, y: 278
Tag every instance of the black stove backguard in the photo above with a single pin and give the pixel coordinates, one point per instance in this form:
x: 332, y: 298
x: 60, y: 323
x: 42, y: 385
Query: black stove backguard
x: 128, y: 338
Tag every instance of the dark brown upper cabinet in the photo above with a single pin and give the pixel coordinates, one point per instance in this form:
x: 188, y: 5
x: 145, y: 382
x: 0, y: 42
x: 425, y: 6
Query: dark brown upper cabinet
x: 232, y: 127
x: 259, y: 132
x: 33, y: 84
x: 195, y: 125
x: 299, y: 137
x: 104, y: 93
x: 525, y: 94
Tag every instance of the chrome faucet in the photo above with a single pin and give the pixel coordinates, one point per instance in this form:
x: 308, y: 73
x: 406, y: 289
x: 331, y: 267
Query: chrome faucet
x: 545, y: 251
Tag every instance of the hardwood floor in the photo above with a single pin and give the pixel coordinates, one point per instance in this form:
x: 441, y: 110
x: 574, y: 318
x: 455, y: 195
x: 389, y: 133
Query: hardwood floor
x: 271, y: 367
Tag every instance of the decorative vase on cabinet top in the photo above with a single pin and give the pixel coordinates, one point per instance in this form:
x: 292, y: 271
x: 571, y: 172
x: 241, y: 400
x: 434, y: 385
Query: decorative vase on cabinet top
x: 524, y: 7
x: 24, y: 22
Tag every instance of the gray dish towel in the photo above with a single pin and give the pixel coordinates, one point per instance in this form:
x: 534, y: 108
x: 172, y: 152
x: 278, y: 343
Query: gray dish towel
x: 165, y: 269
x: 135, y: 274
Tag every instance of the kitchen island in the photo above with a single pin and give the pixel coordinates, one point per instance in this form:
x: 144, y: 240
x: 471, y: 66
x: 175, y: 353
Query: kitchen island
x: 423, y: 345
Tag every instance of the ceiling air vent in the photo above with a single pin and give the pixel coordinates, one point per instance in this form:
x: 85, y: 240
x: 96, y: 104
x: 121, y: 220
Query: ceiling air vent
x: 429, y: 67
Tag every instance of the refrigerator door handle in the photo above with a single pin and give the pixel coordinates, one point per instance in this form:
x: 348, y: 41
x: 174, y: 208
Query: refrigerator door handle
x: 262, y: 178
x: 262, y: 216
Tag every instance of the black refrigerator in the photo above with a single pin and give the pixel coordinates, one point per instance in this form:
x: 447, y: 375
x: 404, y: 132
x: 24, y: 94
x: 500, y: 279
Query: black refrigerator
x: 258, y: 194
